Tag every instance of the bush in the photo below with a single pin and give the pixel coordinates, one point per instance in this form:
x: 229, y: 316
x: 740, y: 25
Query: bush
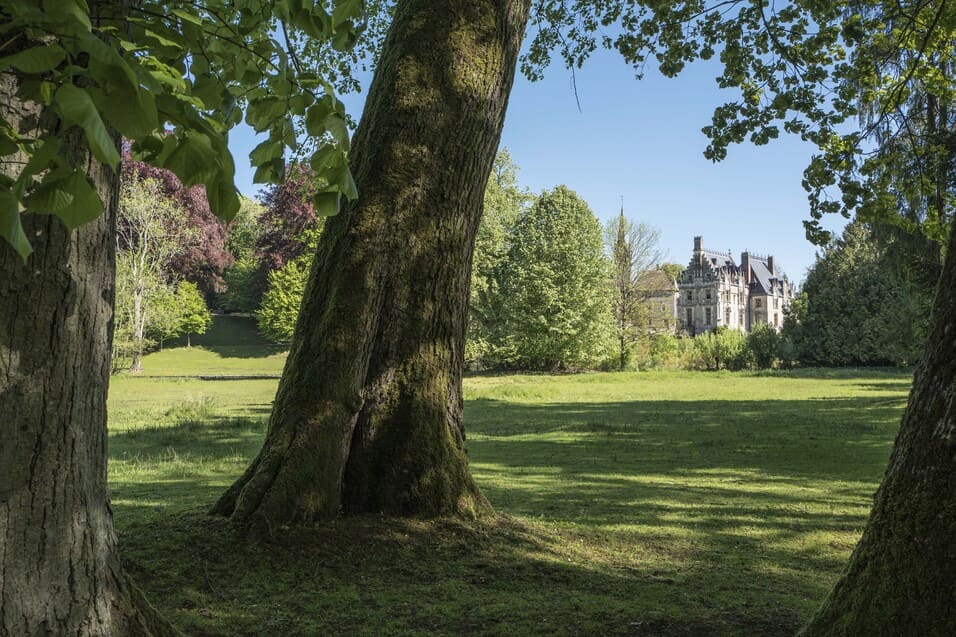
x: 763, y: 342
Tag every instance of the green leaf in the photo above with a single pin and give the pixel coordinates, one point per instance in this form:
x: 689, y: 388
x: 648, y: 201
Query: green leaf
x: 86, y: 205
x: 326, y: 204
x: 77, y: 108
x: 50, y: 197
x: 39, y: 59
x: 132, y: 114
x: 43, y: 155
x: 10, y: 227
x: 193, y: 160
x: 70, y: 9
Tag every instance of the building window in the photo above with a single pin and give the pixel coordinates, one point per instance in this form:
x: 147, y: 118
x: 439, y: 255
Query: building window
x: 740, y: 318
x: 756, y: 302
x: 776, y: 320
x: 708, y: 295
x: 707, y: 316
x: 690, y: 296
x: 776, y: 303
x: 727, y: 316
x: 690, y: 317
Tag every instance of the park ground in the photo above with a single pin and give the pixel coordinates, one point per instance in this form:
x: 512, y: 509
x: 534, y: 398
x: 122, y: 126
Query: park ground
x: 654, y: 503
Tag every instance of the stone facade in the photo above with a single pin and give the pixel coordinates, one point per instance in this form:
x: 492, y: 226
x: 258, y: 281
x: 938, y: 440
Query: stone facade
x: 658, y: 293
x: 715, y: 291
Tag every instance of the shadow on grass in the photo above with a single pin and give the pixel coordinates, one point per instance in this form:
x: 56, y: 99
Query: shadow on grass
x: 629, y: 518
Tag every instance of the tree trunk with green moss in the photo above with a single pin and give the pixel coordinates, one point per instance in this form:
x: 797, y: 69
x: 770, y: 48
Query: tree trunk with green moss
x: 901, y: 579
x: 368, y: 414
x: 60, y: 572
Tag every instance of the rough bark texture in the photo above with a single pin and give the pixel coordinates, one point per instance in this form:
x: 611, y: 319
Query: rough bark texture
x: 901, y: 579
x: 368, y: 414
x: 60, y: 572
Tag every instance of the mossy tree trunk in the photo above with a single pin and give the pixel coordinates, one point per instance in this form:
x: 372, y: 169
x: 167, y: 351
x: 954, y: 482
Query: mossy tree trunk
x: 368, y: 414
x: 60, y: 572
x: 901, y: 579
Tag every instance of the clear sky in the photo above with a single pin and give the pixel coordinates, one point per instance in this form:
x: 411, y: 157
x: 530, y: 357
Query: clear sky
x: 641, y: 139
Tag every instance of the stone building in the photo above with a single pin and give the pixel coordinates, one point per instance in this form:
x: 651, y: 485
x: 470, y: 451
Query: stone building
x: 658, y: 293
x: 715, y: 291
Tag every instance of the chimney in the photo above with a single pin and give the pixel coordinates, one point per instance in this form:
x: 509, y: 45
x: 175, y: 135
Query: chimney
x: 698, y: 251
x: 698, y: 244
x: 770, y: 266
x: 745, y: 266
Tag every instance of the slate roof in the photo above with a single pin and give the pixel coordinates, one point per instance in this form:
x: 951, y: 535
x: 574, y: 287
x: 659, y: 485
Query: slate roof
x: 762, y: 276
x: 719, y: 260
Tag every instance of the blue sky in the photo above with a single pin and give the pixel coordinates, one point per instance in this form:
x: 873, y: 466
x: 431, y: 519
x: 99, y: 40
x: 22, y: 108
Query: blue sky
x: 641, y: 139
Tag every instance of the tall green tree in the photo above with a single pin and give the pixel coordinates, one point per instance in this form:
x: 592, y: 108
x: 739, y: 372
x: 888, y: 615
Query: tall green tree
x: 859, y: 309
x: 504, y: 203
x: 280, y: 305
x: 556, y: 313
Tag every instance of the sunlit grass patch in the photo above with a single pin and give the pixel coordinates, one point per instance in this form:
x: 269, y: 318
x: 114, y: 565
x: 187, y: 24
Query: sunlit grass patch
x: 661, y: 503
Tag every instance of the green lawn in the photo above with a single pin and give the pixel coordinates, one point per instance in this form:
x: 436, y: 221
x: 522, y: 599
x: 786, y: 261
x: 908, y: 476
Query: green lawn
x: 671, y: 503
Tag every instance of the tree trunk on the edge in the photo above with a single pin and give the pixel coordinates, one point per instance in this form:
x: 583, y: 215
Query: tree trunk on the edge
x: 60, y: 572
x: 901, y: 579
x: 368, y: 414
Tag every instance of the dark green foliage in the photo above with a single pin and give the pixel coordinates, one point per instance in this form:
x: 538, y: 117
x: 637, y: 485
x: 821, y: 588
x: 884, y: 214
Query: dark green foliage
x: 763, y: 344
x: 554, y: 293
x: 242, y: 287
x: 858, y: 308
x: 721, y: 349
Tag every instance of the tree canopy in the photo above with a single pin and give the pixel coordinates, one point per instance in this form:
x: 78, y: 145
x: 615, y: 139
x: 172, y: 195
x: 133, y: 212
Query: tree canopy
x: 139, y: 68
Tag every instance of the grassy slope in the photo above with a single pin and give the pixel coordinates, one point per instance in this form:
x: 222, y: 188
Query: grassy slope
x: 631, y: 504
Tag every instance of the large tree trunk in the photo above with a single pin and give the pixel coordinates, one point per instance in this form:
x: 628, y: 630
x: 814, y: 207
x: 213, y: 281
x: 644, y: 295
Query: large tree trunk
x: 368, y: 414
x: 901, y: 579
x: 60, y: 572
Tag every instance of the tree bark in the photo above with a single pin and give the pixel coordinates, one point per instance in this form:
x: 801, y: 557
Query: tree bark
x: 368, y: 414
x: 901, y: 579
x: 60, y: 572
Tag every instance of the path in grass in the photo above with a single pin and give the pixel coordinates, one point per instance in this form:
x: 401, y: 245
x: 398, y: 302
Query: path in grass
x: 633, y: 504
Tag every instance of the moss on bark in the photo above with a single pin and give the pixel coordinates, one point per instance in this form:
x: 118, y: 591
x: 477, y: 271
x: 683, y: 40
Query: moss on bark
x: 367, y: 416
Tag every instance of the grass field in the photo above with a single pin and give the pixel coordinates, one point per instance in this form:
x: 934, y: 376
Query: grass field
x: 670, y: 503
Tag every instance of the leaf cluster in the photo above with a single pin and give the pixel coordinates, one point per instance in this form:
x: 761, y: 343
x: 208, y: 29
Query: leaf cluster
x: 173, y: 78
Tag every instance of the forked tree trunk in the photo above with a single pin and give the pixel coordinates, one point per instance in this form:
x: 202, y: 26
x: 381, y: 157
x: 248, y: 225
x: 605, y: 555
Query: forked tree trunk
x: 60, y: 572
x: 368, y: 414
x: 901, y: 579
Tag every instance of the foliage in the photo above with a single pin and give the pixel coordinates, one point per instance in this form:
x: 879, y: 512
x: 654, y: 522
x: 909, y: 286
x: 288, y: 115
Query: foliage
x: 242, y: 287
x: 134, y: 67
x: 807, y: 68
x: 165, y: 315
x: 722, y: 348
x: 245, y: 229
x: 672, y: 270
x: 204, y: 259
x: 151, y: 230
x: 858, y: 310
x: 279, y: 308
x: 195, y: 317
x: 504, y: 203
x: 288, y: 227
x: 555, y: 299
x: 633, y: 249
x: 764, y: 345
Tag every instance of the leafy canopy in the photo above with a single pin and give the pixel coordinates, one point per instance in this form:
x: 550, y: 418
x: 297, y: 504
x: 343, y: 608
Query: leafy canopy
x: 139, y: 68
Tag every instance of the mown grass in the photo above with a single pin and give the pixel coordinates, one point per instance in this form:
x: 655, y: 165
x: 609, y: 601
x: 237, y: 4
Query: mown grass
x: 670, y: 503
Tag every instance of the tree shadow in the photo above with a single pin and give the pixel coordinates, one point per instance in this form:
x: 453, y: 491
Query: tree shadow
x: 667, y: 518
